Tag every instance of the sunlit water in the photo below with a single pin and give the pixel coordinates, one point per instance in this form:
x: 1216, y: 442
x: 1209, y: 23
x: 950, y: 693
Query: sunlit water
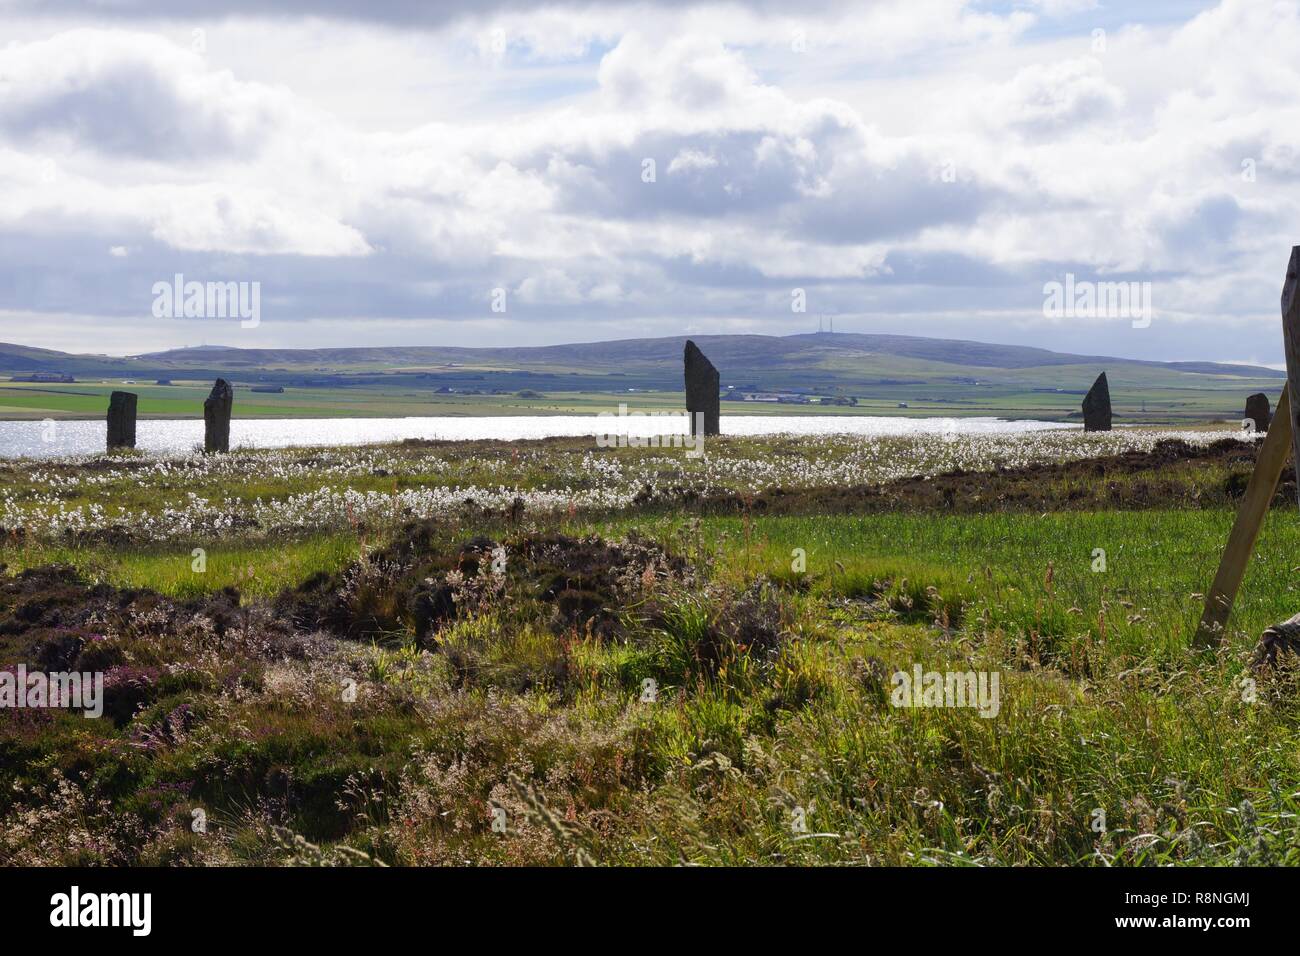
x: 50, y: 439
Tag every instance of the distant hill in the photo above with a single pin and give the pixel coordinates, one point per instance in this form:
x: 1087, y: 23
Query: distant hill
x: 751, y: 352
x: 892, y: 371
x: 15, y: 358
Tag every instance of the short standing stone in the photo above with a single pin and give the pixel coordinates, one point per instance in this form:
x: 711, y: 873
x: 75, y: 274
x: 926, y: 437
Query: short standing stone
x: 1096, y: 406
x: 216, y: 417
x: 702, y: 384
x: 121, y: 420
x: 1257, y: 409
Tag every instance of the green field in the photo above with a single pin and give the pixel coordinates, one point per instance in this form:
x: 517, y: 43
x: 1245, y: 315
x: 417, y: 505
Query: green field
x: 1132, y: 404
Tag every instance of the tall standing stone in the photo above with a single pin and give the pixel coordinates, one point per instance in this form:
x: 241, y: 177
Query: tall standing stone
x: 702, y: 386
x: 121, y: 420
x: 1096, y: 406
x: 216, y: 417
x: 1291, y: 346
x: 1257, y: 409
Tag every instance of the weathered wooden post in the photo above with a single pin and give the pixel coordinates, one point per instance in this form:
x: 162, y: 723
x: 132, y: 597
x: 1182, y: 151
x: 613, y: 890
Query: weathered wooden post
x: 216, y: 418
x: 702, y: 384
x: 1096, y: 406
x: 1260, y: 489
x: 1281, y: 442
x: 121, y: 420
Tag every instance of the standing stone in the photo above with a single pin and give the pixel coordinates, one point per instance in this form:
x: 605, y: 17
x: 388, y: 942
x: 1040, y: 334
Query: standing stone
x: 216, y: 417
x: 1257, y: 409
x: 702, y: 385
x: 1096, y: 406
x: 121, y: 420
x: 1291, y: 346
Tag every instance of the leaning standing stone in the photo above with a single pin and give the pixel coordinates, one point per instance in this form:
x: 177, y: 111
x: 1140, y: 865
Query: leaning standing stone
x: 121, y: 420
x: 216, y: 417
x: 1096, y: 406
x: 1257, y: 409
x: 702, y: 384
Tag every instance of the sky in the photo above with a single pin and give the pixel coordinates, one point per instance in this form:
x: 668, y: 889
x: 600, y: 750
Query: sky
x: 519, y: 172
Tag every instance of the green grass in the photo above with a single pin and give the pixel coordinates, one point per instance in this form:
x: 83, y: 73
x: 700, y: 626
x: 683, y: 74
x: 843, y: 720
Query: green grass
x: 769, y: 703
x: 1156, y: 563
x: 255, y: 569
x: 155, y: 401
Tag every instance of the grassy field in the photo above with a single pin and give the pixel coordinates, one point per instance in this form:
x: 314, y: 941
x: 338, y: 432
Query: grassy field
x: 549, y: 654
x: 1134, y: 402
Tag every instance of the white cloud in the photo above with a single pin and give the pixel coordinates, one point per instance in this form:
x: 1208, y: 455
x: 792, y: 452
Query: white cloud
x: 912, y: 156
x: 1051, y: 97
x: 688, y: 159
x: 552, y: 287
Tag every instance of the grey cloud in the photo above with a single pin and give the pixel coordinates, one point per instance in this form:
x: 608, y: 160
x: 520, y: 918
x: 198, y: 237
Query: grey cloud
x: 868, y: 204
x: 75, y: 274
x: 945, y: 269
x: 130, y: 95
x: 132, y: 110
x: 834, y: 195
x: 419, y: 13
x: 1210, y: 223
x: 716, y: 174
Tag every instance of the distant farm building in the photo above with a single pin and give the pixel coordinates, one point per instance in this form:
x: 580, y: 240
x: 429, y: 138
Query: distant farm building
x: 782, y: 398
x: 62, y: 378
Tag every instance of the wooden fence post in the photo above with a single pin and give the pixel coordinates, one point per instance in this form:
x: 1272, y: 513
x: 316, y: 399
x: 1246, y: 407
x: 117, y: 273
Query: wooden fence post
x: 1281, y: 442
x: 1250, y: 517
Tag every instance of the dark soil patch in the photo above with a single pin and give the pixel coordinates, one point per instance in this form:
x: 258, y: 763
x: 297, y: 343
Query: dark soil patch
x: 53, y: 620
x: 421, y: 583
x: 1174, y: 474
x: 43, y: 616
